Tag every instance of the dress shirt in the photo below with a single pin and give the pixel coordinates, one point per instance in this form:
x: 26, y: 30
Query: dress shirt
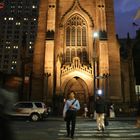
x: 69, y: 103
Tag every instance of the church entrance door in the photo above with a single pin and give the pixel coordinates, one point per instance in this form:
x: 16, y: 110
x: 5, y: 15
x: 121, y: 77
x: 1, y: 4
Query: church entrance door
x: 80, y: 88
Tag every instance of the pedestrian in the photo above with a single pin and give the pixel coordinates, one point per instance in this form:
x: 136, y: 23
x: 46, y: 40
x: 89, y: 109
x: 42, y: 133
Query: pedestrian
x: 112, y: 111
x: 49, y: 111
x: 138, y: 114
x: 6, y: 102
x: 100, y: 113
x: 85, y: 111
x: 69, y: 112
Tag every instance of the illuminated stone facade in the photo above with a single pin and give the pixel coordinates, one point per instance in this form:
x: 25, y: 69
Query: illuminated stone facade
x: 66, y: 51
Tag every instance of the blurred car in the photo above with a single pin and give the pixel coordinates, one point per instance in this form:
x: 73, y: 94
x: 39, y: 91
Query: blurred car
x: 33, y: 110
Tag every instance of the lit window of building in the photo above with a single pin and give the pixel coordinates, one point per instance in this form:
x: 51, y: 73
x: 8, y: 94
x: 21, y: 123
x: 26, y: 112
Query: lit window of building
x: 13, y: 7
x: 14, y: 62
x: 25, y: 18
x: 19, y: 7
x: 7, y: 42
x: 11, y: 18
x: 12, y: 68
x: 6, y: 47
x: 18, y: 23
x: 15, y: 47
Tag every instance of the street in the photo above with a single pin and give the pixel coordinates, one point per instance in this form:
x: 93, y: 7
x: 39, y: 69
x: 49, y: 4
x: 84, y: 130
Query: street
x: 54, y: 129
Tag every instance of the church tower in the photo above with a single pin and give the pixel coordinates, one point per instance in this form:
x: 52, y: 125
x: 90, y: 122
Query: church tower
x: 67, y: 55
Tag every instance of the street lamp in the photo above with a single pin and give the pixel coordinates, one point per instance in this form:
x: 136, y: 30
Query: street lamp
x: 99, y: 92
x: 95, y: 36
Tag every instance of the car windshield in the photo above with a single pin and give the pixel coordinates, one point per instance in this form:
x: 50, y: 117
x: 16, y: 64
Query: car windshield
x: 24, y: 105
x: 39, y: 105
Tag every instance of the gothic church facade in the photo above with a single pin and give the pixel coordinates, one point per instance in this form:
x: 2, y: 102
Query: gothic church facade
x: 67, y: 55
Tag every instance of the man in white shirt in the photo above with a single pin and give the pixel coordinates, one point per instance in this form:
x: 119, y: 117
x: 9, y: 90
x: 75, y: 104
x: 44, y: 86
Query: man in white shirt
x: 71, y: 107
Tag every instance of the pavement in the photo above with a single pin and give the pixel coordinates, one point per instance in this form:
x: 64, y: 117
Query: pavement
x: 53, y: 128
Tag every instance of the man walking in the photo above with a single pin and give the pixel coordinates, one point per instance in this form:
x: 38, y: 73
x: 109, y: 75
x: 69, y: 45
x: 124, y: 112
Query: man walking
x: 71, y: 107
x: 100, y: 113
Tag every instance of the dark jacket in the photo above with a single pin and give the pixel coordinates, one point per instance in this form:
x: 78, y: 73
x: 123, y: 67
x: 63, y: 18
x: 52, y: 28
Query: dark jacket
x: 100, y: 106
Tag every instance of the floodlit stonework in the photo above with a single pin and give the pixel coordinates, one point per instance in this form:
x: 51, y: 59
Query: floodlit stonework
x: 66, y: 51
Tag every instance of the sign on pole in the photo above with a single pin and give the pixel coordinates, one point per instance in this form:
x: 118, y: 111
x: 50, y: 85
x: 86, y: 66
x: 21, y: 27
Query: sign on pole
x: 137, y: 89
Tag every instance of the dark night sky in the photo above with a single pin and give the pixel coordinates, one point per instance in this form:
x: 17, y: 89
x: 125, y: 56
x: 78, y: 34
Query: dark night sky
x: 125, y: 11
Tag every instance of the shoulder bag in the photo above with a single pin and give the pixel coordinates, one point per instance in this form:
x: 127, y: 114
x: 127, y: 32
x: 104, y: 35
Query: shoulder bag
x: 66, y: 116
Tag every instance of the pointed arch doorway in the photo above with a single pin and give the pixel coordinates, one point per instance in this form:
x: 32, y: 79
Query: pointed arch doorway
x: 80, y: 88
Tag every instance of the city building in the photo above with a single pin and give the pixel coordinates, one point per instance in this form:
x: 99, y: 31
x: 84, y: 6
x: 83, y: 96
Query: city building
x: 73, y: 45
x: 16, y: 18
x: 136, y: 60
x: 136, y: 56
x: 68, y: 56
x: 128, y: 78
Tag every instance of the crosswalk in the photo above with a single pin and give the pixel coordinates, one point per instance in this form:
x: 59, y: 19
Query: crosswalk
x: 87, y: 130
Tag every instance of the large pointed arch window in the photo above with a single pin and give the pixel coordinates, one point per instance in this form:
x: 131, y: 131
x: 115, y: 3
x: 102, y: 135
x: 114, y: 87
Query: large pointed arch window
x: 84, y: 43
x: 68, y: 36
x: 76, y: 37
x: 79, y: 36
x: 73, y: 36
x: 68, y: 55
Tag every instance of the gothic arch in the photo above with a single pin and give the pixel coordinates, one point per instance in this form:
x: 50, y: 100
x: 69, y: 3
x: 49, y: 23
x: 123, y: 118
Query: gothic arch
x: 79, y: 86
x: 76, y: 8
x: 76, y: 38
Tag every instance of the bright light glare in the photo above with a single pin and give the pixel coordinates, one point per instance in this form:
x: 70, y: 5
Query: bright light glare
x: 95, y: 34
x: 99, y: 92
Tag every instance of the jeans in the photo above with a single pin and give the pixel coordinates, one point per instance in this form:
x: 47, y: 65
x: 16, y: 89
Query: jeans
x: 70, y: 123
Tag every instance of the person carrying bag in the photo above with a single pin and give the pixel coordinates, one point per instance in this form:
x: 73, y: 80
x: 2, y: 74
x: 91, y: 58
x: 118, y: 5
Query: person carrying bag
x: 69, y: 113
x: 100, y: 113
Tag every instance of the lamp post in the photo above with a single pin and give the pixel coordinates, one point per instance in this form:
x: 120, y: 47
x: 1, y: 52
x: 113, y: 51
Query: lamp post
x: 47, y: 75
x: 95, y: 36
x: 106, y: 76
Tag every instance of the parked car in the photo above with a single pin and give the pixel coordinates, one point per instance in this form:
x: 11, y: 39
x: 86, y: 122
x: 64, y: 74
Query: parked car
x: 33, y: 110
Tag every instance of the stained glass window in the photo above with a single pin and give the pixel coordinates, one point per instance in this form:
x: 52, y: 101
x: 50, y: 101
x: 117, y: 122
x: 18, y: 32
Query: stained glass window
x: 76, y: 38
x: 68, y: 36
